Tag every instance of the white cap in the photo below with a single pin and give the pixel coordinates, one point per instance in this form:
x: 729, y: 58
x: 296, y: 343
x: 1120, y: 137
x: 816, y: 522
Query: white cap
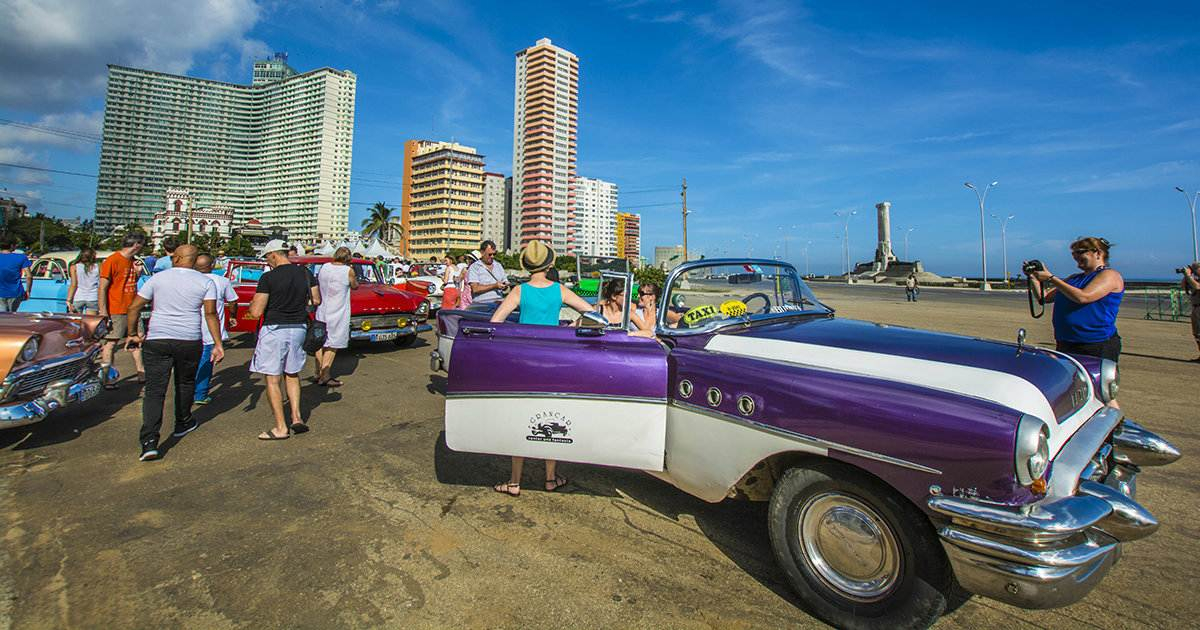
x: 275, y: 245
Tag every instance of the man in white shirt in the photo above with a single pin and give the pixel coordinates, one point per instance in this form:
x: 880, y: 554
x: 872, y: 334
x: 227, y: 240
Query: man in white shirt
x: 487, y: 277
x: 183, y: 300
x: 225, y: 295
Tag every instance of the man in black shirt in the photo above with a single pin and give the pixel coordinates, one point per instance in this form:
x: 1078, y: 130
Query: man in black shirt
x: 282, y: 300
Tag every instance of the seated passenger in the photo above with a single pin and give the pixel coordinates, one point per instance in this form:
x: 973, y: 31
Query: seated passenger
x: 647, y: 306
x: 540, y: 300
x: 612, y: 306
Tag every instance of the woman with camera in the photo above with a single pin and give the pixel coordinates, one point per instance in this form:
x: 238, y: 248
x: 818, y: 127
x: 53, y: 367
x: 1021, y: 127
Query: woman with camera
x: 1191, y: 286
x: 1086, y: 303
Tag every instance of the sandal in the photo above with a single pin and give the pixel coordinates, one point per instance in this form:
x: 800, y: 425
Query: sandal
x: 269, y: 434
x: 330, y: 382
x: 511, y: 489
x: 298, y: 427
x: 556, y: 483
x: 141, y: 378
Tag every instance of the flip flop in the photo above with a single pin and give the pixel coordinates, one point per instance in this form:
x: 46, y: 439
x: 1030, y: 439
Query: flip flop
x: 333, y: 382
x: 299, y: 427
x: 511, y: 489
x: 556, y: 483
x: 270, y: 435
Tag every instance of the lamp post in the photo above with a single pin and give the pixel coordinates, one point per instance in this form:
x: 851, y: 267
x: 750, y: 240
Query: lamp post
x: 1004, y: 241
x: 982, y: 197
x: 806, y: 246
x: 1192, y: 206
x: 906, y: 233
x: 845, y: 215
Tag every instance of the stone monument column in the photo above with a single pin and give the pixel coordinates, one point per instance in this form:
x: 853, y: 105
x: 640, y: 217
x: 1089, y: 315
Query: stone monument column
x: 883, y: 253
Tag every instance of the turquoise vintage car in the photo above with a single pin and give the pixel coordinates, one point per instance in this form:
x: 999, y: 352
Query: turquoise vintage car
x: 51, y: 281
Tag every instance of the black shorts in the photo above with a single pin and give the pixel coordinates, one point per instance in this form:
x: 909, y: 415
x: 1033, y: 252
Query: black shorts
x: 1107, y: 349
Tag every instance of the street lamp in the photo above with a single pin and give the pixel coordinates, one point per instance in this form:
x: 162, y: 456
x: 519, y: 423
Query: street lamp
x: 1192, y: 207
x: 1004, y: 241
x: 982, y: 197
x: 806, y: 246
x: 906, y: 233
x: 845, y: 215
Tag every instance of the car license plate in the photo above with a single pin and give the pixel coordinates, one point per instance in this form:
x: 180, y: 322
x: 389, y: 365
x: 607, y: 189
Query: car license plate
x: 387, y: 336
x: 89, y: 391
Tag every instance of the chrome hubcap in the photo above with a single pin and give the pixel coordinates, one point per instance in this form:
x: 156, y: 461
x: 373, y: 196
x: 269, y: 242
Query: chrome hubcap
x: 849, y: 546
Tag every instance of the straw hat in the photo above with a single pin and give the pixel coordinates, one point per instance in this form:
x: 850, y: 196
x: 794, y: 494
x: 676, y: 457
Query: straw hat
x: 537, y: 256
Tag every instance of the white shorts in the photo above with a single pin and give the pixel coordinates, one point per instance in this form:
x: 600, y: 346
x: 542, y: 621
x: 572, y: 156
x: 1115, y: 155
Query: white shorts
x: 280, y: 350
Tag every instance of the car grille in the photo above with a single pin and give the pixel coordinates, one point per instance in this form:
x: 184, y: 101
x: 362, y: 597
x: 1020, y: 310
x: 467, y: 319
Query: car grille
x: 389, y: 321
x: 35, y: 381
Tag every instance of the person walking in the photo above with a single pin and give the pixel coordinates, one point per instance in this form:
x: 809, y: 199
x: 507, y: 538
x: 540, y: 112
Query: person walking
x: 1191, y: 286
x: 15, y: 279
x: 335, y: 279
x: 118, y: 286
x: 910, y: 287
x: 83, y: 293
x: 281, y: 302
x: 164, y: 262
x: 487, y: 277
x: 450, y: 278
x: 225, y: 295
x: 540, y: 300
x: 184, y: 301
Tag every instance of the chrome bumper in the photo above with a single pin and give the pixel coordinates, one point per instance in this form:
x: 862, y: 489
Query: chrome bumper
x: 57, y: 394
x: 1054, y: 552
x: 400, y: 331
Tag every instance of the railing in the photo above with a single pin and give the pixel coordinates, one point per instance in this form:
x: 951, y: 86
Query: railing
x: 1166, y: 304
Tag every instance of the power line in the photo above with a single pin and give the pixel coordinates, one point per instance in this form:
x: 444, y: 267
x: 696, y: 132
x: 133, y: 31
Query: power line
x: 47, y: 170
x: 62, y: 133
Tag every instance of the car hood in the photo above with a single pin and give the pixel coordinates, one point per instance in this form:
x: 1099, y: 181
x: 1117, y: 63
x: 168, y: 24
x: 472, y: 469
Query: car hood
x: 375, y: 297
x: 1040, y: 382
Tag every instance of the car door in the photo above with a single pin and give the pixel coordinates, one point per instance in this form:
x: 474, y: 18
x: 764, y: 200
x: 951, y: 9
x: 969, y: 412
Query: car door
x: 584, y: 395
x: 48, y: 291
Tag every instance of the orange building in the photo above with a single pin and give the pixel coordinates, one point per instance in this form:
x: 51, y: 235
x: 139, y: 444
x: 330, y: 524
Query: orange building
x: 442, y: 204
x: 629, y: 237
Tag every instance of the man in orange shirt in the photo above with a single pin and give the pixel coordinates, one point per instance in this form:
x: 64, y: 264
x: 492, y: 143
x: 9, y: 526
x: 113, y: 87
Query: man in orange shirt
x: 118, y: 286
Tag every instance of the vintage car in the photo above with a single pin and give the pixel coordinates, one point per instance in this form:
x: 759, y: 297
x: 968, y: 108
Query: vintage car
x: 51, y: 282
x: 378, y: 311
x: 47, y: 362
x: 904, y: 469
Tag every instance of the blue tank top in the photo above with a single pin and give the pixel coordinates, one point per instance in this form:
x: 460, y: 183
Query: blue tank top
x: 1085, y: 323
x: 540, y: 306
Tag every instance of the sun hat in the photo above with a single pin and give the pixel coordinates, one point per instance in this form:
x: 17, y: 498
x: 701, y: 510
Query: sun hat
x: 275, y: 245
x: 476, y: 255
x: 537, y: 256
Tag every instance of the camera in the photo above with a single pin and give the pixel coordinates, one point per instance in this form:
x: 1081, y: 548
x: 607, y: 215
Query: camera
x: 1181, y: 270
x: 1030, y: 266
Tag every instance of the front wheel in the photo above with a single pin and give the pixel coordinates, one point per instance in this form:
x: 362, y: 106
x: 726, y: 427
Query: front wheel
x: 404, y: 341
x: 858, y: 555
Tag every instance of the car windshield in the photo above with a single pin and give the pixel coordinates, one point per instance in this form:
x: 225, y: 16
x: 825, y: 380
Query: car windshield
x: 707, y: 296
x: 365, y: 272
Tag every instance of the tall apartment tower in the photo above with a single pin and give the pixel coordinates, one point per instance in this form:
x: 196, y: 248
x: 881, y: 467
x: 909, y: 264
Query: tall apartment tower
x: 629, y: 236
x: 278, y: 150
x: 495, y: 209
x: 595, y: 217
x: 544, y: 132
x: 442, y: 205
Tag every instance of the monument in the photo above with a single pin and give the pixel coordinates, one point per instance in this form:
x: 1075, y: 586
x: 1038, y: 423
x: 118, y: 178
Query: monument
x: 886, y: 267
x: 883, y: 252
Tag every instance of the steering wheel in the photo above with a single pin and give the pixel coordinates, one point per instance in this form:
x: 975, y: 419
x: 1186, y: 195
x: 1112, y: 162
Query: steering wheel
x: 766, y: 308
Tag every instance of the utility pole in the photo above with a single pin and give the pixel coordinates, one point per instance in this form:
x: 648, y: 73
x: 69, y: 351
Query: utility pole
x: 42, y: 236
x: 685, y: 213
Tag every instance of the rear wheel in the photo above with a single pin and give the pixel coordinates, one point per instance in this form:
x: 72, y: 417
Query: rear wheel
x: 857, y: 554
x: 404, y: 341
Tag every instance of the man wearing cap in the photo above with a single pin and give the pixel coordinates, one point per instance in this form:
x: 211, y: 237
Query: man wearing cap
x: 487, y: 277
x: 281, y: 300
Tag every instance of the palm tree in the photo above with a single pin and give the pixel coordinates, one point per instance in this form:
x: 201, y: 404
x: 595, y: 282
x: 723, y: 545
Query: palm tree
x: 382, y: 223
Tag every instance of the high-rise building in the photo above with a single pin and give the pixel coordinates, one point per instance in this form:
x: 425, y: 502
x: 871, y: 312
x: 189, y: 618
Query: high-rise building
x: 496, y: 209
x: 442, y: 206
x: 595, y: 217
x: 277, y: 151
x: 544, y: 131
x: 629, y: 236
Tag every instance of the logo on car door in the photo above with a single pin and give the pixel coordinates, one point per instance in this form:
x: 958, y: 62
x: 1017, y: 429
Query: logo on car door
x: 549, y: 426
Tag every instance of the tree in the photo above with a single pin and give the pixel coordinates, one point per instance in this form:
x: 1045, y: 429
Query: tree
x: 650, y: 275
x: 382, y: 223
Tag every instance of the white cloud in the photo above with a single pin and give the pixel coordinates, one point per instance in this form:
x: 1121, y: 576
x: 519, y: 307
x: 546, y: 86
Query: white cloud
x: 56, y: 51
x: 78, y: 130
x: 1163, y: 175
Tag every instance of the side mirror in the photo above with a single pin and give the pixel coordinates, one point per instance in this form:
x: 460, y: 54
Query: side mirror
x: 678, y: 301
x: 593, y: 319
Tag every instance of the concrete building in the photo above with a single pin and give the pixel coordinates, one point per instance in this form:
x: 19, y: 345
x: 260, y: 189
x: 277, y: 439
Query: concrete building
x: 442, y: 205
x: 595, y: 217
x: 629, y: 237
x: 544, y: 131
x: 278, y: 150
x: 10, y: 209
x: 180, y: 210
x: 497, y: 192
x: 668, y: 258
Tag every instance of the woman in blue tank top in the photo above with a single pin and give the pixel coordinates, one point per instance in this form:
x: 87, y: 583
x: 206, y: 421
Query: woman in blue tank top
x: 1086, y: 304
x: 540, y: 300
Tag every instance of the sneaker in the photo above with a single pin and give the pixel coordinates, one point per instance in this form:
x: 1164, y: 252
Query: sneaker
x: 202, y: 401
x: 185, y: 428
x: 149, y: 452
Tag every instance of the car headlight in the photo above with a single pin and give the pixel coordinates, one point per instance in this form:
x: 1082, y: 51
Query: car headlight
x: 1033, y: 450
x: 423, y: 308
x: 30, y: 349
x: 366, y: 326
x: 102, y: 329
x: 1110, y: 380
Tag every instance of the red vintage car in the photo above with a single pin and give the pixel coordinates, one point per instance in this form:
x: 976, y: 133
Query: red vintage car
x: 378, y: 311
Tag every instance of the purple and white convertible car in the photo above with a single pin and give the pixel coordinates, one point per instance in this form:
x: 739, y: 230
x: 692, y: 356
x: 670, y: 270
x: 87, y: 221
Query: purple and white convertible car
x: 904, y: 468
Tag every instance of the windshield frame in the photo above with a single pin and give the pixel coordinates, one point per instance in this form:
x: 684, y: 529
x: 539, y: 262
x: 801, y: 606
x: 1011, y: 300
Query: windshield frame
x: 661, y: 327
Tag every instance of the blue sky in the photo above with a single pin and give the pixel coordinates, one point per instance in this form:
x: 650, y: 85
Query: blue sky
x: 777, y: 113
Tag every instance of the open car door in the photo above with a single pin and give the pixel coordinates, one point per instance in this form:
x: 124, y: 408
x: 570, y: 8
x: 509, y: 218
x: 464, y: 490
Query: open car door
x: 589, y: 395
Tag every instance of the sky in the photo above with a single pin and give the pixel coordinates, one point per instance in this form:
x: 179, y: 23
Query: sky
x: 779, y: 114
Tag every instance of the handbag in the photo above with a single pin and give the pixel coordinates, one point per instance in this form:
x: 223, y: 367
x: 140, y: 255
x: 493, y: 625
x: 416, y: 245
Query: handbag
x: 315, y: 336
